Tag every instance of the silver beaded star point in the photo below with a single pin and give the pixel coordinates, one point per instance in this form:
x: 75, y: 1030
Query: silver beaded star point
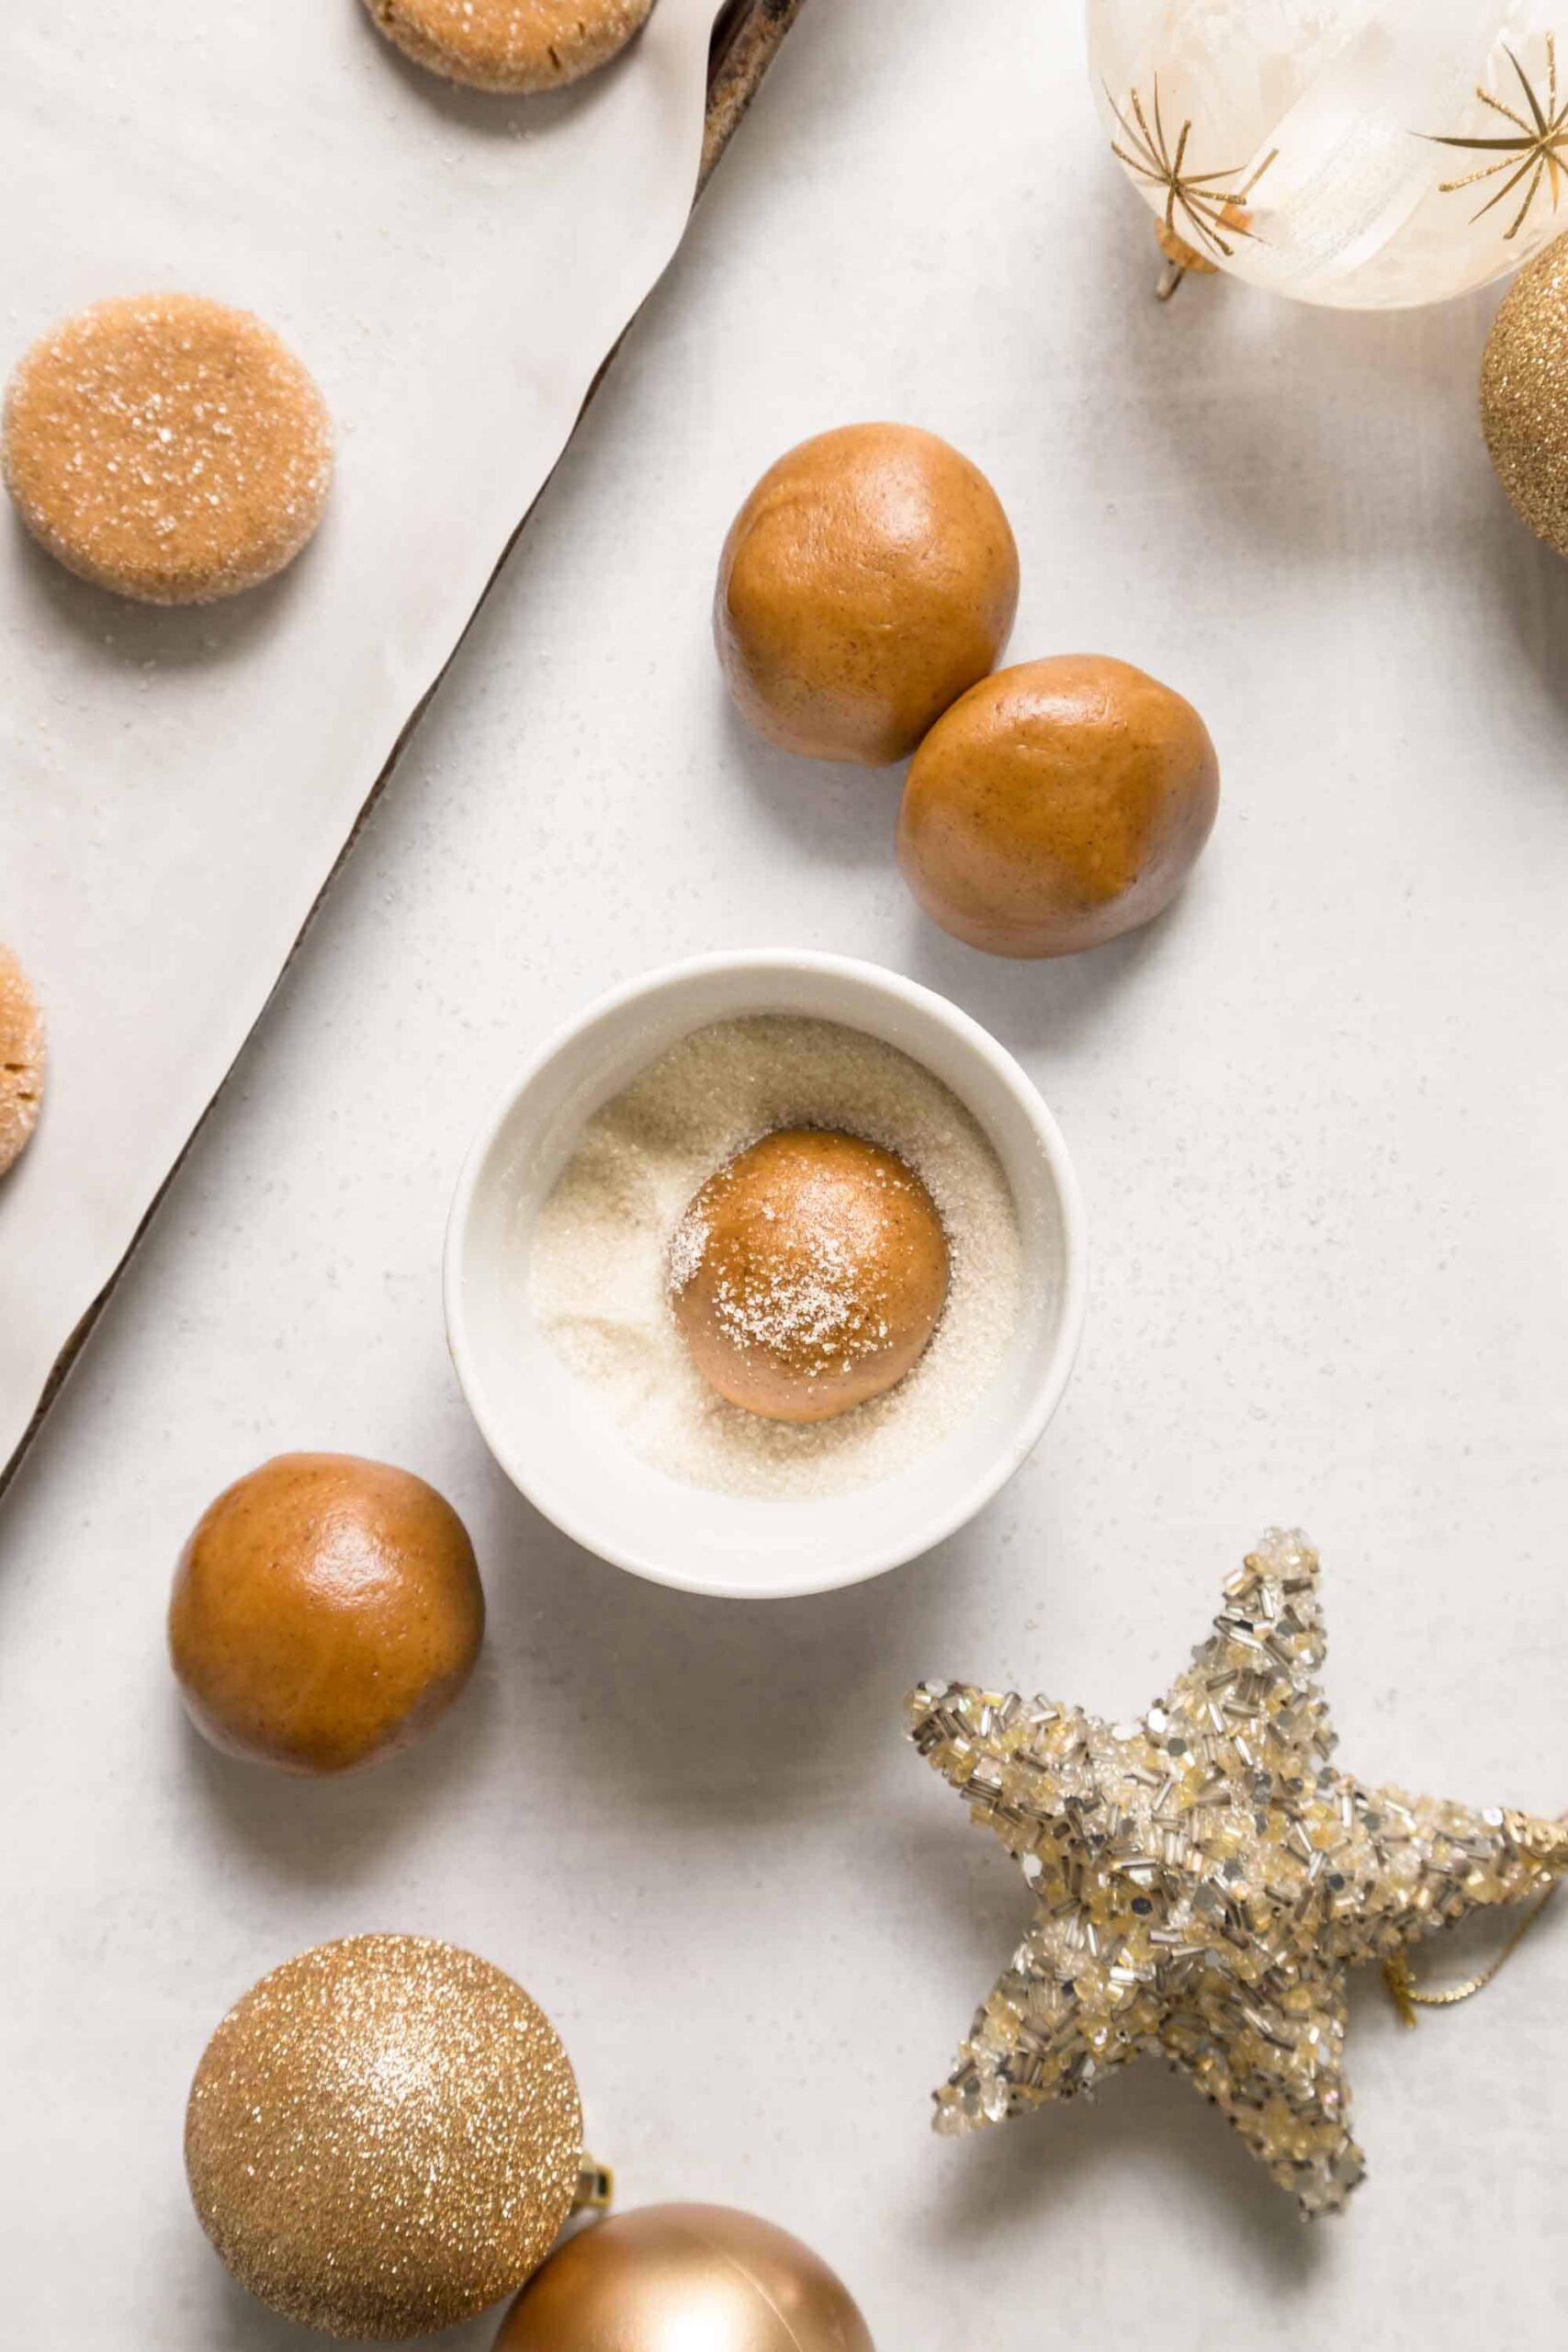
x: 1205, y: 1878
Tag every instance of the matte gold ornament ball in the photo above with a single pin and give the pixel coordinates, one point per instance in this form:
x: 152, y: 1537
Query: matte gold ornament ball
x: 384, y: 2137
x: 1524, y: 395
x: 677, y: 2278
x: 167, y: 447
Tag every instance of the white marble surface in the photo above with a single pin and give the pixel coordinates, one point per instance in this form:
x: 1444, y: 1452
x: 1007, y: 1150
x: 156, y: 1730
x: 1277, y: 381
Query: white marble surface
x: 1319, y: 1116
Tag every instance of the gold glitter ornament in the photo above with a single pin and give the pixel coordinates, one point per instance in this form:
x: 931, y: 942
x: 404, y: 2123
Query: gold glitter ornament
x: 1204, y: 1879
x: 384, y: 2136
x: 685, y: 2278
x: 1524, y: 395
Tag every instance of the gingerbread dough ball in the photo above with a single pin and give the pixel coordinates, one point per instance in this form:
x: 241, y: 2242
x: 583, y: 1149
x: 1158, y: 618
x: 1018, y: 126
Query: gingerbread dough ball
x: 324, y: 1611
x: 21, y: 1059
x: 167, y: 447
x: 1058, y: 804
x: 808, y: 1274
x: 510, y: 45
x: 870, y: 578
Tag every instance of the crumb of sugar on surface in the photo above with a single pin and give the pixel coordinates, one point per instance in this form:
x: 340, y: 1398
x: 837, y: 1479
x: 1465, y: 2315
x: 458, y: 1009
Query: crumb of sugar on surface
x: 615, y: 1230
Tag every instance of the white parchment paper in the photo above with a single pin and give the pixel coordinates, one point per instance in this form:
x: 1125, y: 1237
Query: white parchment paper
x: 174, y: 786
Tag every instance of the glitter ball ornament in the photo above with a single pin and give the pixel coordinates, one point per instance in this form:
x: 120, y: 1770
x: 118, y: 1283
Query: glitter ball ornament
x: 1524, y: 395
x: 685, y: 2278
x: 1203, y: 1880
x: 1364, y: 153
x: 383, y: 2137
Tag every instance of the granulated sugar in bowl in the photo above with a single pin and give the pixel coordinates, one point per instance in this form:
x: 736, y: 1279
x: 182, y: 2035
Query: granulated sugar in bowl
x: 558, y: 1266
x: 600, y: 1266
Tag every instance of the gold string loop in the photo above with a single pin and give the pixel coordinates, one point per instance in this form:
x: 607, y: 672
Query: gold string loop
x: 1408, y: 1997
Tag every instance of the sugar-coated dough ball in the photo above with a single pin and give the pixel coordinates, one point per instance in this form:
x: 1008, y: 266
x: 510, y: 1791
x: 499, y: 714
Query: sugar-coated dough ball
x: 21, y: 1059
x: 510, y: 45
x: 167, y: 447
x: 324, y: 1611
x: 808, y: 1274
x: 870, y: 578
x: 1058, y: 804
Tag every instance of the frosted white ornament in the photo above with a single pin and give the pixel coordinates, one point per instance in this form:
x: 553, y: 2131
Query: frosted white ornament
x: 1364, y: 153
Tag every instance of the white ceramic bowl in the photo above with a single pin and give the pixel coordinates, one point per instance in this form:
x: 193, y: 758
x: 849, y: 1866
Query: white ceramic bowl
x: 553, y: 1439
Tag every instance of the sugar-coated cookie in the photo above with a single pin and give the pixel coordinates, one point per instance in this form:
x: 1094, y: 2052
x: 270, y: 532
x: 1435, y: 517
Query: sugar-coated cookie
x: 21, y: 1059
x: 519, y: 45
x: 167, y: 447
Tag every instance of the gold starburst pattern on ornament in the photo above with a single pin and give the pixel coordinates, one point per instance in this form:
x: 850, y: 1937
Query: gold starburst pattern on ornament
x: 1534, y: 152
x: 1204, y: 1879
x: 1195, y: 202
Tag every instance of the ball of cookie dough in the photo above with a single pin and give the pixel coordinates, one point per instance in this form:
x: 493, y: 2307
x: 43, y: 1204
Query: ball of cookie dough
x: 519, y: 45
x: 1058, y: 804
x: 870, y: 578
x: 167, y: 447
x: 21, y: 1059
x: 808, y: 1274
x: 324, y: 1611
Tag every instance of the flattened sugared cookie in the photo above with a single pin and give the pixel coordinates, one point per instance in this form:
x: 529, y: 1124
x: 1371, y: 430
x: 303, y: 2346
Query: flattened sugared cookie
x: 516, y: 45
x: 167, y: 447
x: 21, y: 1059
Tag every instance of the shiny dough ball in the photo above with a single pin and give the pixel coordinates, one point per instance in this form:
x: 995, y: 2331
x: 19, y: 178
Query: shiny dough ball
x: 324, y: 1611
x: 517, y: 45
x: 383, y: 2137
x: 167, y: 447
x: 808, y: 1274
x: 870, y: 578
x: 21, y: 1059
x: 1524, y: 395
x: 1058, y: 804
x: 672, y: 2278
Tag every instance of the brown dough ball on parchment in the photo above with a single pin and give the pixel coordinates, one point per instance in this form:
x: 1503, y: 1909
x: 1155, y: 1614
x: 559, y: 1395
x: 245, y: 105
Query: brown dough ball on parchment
x: 808, y: 1274
x: 324, y: 1610
x: 516, y: 45
x: 1060, y: 803
x: 167, y: 447
x: 21, y: 1059
x: 867, y: 581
